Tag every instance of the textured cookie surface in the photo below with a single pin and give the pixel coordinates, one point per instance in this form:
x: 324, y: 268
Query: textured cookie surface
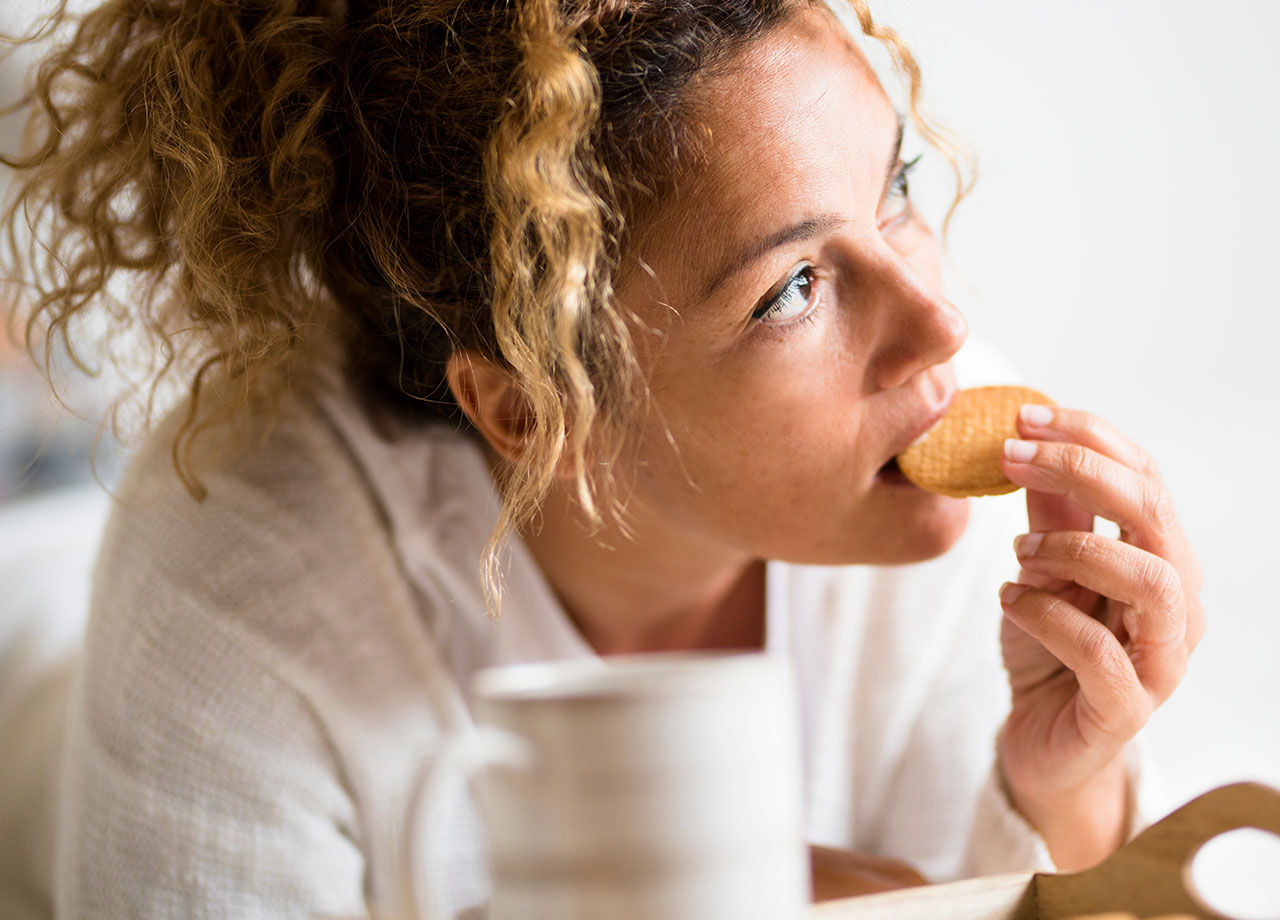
x: 960, y: 456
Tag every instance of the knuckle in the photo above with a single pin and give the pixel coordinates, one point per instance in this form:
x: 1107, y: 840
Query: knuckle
x: 1147, y: 464
x: 1157, y: 507
x: 1078, y: 463
x: 1163, y: 583
x: 1079, y: 546
x: 1098, y: 650
x: 1090, y: 429
x: 1051, y: 610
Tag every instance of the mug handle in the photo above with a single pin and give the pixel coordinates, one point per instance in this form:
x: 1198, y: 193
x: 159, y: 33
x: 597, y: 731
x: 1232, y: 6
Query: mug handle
x: 458, y: 759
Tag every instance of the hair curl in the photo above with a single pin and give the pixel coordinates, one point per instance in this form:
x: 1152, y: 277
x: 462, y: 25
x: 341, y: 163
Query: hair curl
x: 227, y: 176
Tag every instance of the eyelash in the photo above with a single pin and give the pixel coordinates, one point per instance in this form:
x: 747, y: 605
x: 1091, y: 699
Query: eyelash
x: 901, y: 186
x: 772, y: 303
x: 901, y: 181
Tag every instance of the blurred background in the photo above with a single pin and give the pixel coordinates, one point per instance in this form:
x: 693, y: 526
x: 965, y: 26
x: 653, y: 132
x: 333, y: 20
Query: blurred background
x: 55, y: 464
x: 46, y: 442
x: 1117, y: 250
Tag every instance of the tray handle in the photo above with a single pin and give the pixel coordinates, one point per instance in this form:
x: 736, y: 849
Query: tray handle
x: 1149, y: 875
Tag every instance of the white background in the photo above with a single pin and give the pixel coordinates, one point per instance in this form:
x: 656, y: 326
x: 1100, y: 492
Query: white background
x: 1119, y: 248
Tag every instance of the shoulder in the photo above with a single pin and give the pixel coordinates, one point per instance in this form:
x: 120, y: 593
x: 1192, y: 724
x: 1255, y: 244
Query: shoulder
x: 260, y: 660
x: 277, y: 519
x: 266, y: 479
x: 287, y: 562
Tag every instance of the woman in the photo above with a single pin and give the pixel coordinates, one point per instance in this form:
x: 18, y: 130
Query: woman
x: 640, y: 282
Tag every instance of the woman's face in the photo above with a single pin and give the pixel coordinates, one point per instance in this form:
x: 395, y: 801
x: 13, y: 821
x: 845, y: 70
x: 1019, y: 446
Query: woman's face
x: 800, y: 338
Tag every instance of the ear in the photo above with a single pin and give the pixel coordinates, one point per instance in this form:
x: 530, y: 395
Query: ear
x: 491, y: 400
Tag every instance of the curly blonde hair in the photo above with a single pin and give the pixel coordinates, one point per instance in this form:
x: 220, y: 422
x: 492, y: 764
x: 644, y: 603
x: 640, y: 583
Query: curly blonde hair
x: 423, y: 175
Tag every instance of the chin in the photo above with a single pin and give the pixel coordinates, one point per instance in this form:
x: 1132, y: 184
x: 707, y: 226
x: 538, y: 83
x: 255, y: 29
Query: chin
x: 924, y: 530
x: 899, y: 533
x: 941, y: 526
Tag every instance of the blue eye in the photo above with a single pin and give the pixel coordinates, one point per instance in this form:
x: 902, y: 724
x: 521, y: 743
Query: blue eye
x: 792, y: 301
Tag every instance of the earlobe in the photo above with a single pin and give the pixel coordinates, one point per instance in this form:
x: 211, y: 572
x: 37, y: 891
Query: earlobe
x: 491, y: 400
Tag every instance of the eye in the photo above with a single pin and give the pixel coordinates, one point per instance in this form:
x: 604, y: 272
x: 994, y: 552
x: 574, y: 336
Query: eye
x: 897, y: 203
x: 792, y: 301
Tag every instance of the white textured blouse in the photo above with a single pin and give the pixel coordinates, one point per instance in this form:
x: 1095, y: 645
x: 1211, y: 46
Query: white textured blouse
x: 265, y: 674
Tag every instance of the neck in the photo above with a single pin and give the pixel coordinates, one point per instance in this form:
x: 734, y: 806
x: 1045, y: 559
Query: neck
x: 662, y: 589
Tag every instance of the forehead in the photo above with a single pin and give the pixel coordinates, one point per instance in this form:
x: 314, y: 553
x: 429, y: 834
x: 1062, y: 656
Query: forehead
x: 790, y: 125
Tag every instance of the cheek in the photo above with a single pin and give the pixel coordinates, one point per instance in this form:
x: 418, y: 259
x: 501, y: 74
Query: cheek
x: 787, y: 412
x: 775, y: 389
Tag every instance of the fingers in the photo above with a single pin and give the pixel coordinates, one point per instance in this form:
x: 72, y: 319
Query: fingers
x: 1053, y: 423
x: 1155, y: 607
x: 1114, y: 700
x: 1075, y: 466
x: 1100, y: 485
x: 1116, y: 570
x: 1046, y: 512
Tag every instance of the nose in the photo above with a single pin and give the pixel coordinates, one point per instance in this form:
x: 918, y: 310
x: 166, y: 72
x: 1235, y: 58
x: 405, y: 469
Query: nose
x: 920, y: 328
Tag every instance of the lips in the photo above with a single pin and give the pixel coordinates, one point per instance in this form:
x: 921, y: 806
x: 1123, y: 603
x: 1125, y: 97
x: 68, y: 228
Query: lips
x: 920, y: 429
x: 891, y: 474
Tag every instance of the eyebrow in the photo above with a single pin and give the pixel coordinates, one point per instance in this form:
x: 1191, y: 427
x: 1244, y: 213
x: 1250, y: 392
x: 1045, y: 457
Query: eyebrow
x: 805, y: 229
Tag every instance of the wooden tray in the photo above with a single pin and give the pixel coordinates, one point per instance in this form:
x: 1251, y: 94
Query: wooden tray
x: 1147, y: 877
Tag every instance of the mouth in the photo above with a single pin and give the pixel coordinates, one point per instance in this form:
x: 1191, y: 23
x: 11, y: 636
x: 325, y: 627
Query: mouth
x: 890, y: 473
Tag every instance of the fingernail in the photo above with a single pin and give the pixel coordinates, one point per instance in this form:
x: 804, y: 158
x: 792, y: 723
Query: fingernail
x: 1010, y: 592
x: 1019, y: 451
x: 1027, y: 544
x: 1036, y: 415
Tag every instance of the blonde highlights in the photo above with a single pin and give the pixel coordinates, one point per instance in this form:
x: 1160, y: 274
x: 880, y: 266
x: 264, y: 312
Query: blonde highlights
x: 238, y: 183
x: 548, y: 194
x: 139, y: 213
x: 935, y: 135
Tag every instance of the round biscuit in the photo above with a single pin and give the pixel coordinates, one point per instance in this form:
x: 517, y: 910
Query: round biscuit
x: 960, y: 456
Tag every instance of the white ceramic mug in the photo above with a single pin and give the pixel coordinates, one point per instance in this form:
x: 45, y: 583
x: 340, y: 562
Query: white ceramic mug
x: 650, y: 786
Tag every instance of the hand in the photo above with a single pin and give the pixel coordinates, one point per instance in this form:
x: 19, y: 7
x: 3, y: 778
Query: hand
x: 844, y: 873
x: 1100, y: 636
